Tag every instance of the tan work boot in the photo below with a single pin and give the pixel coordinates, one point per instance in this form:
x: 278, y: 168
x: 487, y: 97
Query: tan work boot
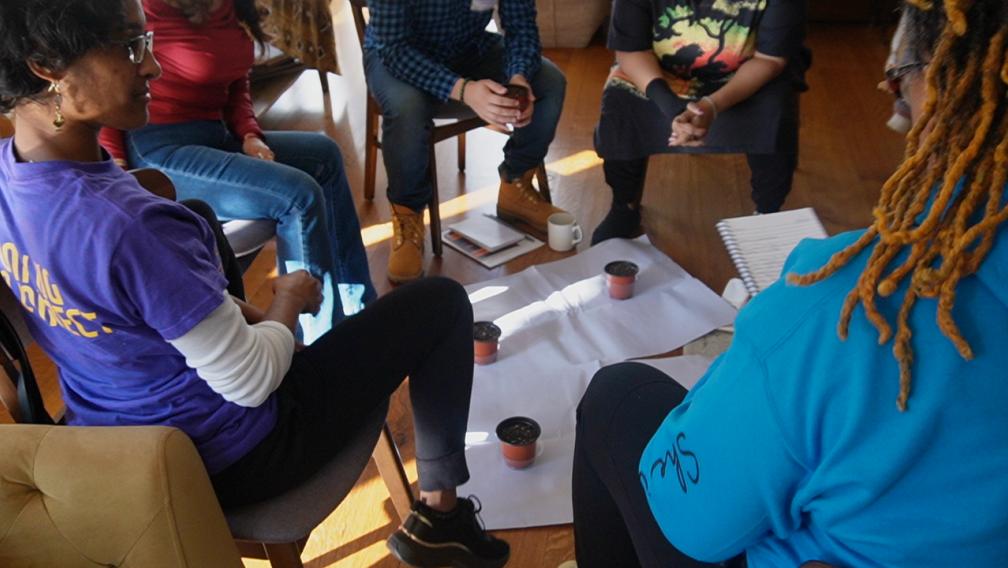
x: 405, y: 261
x: 519, y: 201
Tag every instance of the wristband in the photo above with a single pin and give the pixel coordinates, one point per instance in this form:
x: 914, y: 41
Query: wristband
x: 462, y: 90
x: 713, y: 105
x: 660, y: 94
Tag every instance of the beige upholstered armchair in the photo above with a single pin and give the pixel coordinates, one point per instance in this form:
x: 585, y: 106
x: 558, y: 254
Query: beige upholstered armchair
x: 123, y: 496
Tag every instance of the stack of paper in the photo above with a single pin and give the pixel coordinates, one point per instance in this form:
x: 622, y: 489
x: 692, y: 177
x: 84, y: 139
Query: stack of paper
x: 488, y: 240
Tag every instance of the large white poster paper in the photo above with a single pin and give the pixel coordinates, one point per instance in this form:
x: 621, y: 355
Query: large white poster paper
x: 559, y: 327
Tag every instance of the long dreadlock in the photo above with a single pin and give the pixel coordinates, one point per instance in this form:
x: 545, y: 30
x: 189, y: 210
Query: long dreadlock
x: 956, y: 160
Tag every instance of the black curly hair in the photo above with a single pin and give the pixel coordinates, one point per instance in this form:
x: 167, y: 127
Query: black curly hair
x: 52, y: 34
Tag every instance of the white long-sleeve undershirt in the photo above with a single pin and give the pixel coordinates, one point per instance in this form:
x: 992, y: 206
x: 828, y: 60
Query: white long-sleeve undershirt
x: 241, y: 362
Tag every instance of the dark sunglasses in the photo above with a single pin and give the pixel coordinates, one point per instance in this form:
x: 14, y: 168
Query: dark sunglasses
x: 139, y: 46
x: 894, y: 76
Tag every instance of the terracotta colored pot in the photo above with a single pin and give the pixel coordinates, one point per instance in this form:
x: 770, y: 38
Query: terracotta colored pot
x: 518, y: 436
x: 485, y: 336
x: 620, y: 278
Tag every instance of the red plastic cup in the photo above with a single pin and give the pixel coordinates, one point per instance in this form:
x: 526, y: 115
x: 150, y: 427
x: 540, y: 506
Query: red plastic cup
x: 485, y: 337
x: 518, y: 436
x: 620, y: 278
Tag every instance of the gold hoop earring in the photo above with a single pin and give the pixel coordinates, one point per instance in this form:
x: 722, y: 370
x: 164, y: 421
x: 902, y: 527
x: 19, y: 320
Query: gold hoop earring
x: 60, y: 120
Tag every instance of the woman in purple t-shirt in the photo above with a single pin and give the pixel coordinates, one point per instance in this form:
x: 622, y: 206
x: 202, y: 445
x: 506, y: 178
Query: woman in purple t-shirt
x: 124, y: 290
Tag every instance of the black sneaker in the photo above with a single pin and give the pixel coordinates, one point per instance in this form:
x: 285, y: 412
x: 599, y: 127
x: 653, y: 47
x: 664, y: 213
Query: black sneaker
x: 431, y: 538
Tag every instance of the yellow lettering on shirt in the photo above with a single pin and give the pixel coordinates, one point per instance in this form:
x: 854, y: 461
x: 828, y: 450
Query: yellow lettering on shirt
x: 27, y: 294
x: 42, y: 296
x: 9, y: 257
x: 72, y: 315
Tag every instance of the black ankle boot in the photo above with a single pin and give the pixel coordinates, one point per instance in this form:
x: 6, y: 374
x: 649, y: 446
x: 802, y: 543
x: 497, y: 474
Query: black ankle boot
x: 623, y: 221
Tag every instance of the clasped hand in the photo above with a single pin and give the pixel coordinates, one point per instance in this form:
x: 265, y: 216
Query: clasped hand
x: 691, y: 126
x: 486, y: 98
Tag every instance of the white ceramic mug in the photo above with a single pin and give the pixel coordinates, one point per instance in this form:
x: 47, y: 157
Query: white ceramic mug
x: 564, y: 232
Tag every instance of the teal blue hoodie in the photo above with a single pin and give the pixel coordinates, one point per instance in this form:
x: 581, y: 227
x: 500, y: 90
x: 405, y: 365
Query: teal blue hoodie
x: 791, y: 447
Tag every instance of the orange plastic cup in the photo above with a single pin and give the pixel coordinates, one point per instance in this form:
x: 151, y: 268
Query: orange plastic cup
x: 485, y: 337
x: 518, y: 436
x: 620, y: 278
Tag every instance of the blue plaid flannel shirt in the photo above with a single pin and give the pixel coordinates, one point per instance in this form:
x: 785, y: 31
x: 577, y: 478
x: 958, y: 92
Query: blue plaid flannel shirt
x: 420, y: 41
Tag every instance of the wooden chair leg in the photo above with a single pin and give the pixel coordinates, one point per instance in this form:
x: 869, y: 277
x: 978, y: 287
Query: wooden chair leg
x: 543, y: 178
x: 324, y: 80
x: 370, y: 149
x: 434, y: 206
x: 386, y: 457
x: 462, y: 151
x: 287, y: 555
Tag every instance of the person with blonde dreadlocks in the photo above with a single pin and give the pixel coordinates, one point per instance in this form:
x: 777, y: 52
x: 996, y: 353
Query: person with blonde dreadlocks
x: 858, y: 417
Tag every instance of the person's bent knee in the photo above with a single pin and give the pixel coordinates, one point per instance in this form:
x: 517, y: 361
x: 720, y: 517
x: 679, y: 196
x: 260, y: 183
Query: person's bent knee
x: 450, y: 292
x: 610, y: 386
x: 328, y: 148
x: 551, y: 81
x: 406, y: 104
x: 330, y: 157
x: 306, y: 196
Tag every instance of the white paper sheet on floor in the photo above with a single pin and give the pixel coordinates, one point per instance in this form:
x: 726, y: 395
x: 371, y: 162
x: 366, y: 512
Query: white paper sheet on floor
x: 559, y: 327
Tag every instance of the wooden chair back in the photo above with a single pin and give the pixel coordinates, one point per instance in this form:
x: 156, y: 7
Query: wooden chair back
x: 357, y: 8
x: 6, y: 126
x: 19, y: 393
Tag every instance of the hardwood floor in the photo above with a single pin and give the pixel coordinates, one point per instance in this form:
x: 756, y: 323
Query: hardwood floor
x: 846, y: 154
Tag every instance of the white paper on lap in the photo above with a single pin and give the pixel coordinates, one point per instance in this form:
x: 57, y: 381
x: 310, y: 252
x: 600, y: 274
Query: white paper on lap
x: 559, y: 327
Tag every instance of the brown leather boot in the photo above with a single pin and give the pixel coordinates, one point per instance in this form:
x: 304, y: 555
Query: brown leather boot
x: 519, y: 201
x: 406, y: 258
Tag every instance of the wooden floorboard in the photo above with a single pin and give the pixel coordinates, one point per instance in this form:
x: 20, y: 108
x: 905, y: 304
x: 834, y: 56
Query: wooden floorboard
x: 846, y: 154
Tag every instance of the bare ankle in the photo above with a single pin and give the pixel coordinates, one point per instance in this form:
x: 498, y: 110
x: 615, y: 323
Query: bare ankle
x: 443, y: 501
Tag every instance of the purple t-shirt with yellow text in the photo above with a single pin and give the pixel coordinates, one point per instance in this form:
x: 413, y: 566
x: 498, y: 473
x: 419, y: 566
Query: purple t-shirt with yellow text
x: 106, y: 274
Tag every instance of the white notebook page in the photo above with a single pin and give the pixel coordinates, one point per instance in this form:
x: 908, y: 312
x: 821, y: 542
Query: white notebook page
x: 759, y: 244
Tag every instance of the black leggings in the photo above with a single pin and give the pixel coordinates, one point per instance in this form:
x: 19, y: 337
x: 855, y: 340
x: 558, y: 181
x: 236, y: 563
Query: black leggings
x: 422, y: 330
x: 613, y: 525
x: 771, y: 179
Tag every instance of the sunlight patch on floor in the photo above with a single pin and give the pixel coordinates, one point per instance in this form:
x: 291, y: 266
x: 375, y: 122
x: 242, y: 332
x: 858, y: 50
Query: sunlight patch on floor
x: 575, y: 163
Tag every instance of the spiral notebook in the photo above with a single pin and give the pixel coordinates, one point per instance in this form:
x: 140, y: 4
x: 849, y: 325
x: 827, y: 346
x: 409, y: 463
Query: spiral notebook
x: 759, y: 244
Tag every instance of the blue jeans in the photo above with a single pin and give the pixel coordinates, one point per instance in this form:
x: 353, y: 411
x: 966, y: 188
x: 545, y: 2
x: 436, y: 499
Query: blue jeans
x: 407, y: 120
x: 305, y: 190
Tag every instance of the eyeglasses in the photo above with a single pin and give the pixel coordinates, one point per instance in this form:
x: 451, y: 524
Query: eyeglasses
x: 894, y: 76
x: 139, y: 46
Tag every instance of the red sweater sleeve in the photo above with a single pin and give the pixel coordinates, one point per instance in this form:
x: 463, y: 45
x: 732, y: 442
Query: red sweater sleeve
x: 238, y: 113
x: 113, y: 141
